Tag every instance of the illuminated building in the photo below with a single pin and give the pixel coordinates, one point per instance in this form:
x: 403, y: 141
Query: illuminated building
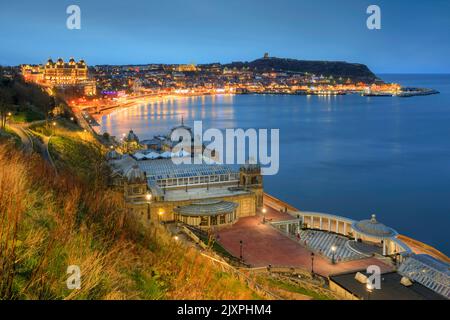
x: 204, y: 195
x: 61, y: 74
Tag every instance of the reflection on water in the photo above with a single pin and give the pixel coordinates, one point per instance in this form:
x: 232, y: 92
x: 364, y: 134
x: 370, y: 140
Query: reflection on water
x: 347, y: 155
x: 157, y: 116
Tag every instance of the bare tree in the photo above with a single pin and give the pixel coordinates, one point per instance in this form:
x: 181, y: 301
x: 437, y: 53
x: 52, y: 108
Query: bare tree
x: 5, y: 105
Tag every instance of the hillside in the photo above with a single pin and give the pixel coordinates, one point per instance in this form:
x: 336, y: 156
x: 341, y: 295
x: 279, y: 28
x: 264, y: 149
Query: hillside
x: 50, y: 221
x: 337, y: 69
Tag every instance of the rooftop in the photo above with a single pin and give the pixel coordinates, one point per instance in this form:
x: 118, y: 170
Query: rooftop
x: 391, y: 288
x: 202, y: 193
x: 373, y: 228
x: 167, y: 169
x: 428, y: 271
x: 208, y: 207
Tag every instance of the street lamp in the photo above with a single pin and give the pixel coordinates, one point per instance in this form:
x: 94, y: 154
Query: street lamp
x: 8, y: 115
x: 333, y: 251
x: 264, y: 211
x: 241, y: 250
x: 312, y: 263
x: 369, y: 288
x: 160, y: 214
x: 148, y: 197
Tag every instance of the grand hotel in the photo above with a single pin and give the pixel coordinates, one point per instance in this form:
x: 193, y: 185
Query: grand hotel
x: 61, y: 74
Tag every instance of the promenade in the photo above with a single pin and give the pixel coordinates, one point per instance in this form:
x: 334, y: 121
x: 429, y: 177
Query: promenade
x: 263, y: 245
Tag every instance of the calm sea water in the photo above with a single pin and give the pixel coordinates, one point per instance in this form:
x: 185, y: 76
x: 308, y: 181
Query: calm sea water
x: 347, y: 155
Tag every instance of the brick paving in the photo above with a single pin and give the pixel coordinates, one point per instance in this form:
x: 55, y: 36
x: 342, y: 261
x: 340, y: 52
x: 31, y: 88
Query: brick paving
x: 263, y: 245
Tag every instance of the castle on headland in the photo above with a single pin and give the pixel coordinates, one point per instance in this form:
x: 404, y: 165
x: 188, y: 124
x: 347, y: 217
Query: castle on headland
x: 204, y: 195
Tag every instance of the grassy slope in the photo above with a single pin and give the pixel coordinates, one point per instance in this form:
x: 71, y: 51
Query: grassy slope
x: 48, y: 222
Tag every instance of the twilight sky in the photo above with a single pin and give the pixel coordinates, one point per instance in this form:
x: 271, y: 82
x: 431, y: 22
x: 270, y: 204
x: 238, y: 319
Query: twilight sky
x: 414, y: 37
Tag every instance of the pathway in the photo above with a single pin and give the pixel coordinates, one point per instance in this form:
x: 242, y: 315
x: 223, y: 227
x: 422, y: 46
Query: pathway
x: 263, y: 246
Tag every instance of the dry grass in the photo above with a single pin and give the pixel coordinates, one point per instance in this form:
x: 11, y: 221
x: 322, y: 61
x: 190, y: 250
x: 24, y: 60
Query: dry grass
x: 49, y: 222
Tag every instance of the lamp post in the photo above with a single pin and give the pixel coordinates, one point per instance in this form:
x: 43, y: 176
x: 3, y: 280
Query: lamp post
x: 312, y: 263
x: 264, y: 211
x: 148, y: 197
x: 160, y: 214
x: 333, y: 252
x: 241, y: 250
x: 54, y: 126
x: 369, y: 288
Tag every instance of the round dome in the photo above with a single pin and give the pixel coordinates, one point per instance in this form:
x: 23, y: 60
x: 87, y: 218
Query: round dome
x: 132, y: 137
x: 136, y: 175
x: 112, y: 155
x: 180, y: 127
x: 373, y: 228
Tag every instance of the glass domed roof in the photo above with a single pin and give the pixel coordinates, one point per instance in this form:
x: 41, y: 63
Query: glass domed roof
x: 136, y: 175
x: 373, y: 228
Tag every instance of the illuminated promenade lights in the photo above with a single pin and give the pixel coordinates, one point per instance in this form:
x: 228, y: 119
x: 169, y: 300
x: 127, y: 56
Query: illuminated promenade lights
x: 160, y: 214
x: 53, y: 127
x: 264, y: 211
x: 333, y: 251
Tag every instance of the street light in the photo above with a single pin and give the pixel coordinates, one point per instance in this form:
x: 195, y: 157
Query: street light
x: 8, y: 115
x: 160, y: 214
x: 312, y: 263
x: 148, y: 197
x: 369, y: 288
x: 241, y: 250
x: 333, y: 251
x: 264, y: 211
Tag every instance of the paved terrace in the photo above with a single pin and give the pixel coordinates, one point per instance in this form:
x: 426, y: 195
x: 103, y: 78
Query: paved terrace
x: 264, y: 245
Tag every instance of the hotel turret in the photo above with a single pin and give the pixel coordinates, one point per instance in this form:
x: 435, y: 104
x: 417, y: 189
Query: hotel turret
x: 60, y: 74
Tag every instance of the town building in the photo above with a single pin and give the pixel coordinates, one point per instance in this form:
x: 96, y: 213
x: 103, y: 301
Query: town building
x: 61, y: 74
x: 204, y: 195
x: 394, y: 286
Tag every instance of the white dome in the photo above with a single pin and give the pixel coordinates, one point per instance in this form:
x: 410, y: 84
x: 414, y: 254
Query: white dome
x: 136, y: 175
x: 373, y: 228
x: 112, y: 155
x: 132, y: 137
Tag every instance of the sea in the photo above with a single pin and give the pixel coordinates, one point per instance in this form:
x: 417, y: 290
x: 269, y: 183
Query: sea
x: 347, y: 155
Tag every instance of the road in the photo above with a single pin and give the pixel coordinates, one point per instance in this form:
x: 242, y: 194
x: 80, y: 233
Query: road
x: 28, y: 143
x: 25, y: 136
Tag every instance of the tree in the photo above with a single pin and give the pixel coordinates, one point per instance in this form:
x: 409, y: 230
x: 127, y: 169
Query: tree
x: 5, y: 105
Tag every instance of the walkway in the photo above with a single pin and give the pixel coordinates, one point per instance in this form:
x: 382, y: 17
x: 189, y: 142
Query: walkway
x: 322, y: 242
x: 25, y: 136
x: 263, y: 246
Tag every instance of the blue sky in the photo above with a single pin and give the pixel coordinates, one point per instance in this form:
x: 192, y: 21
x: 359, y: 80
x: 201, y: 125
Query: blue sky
x: 414, y: 37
